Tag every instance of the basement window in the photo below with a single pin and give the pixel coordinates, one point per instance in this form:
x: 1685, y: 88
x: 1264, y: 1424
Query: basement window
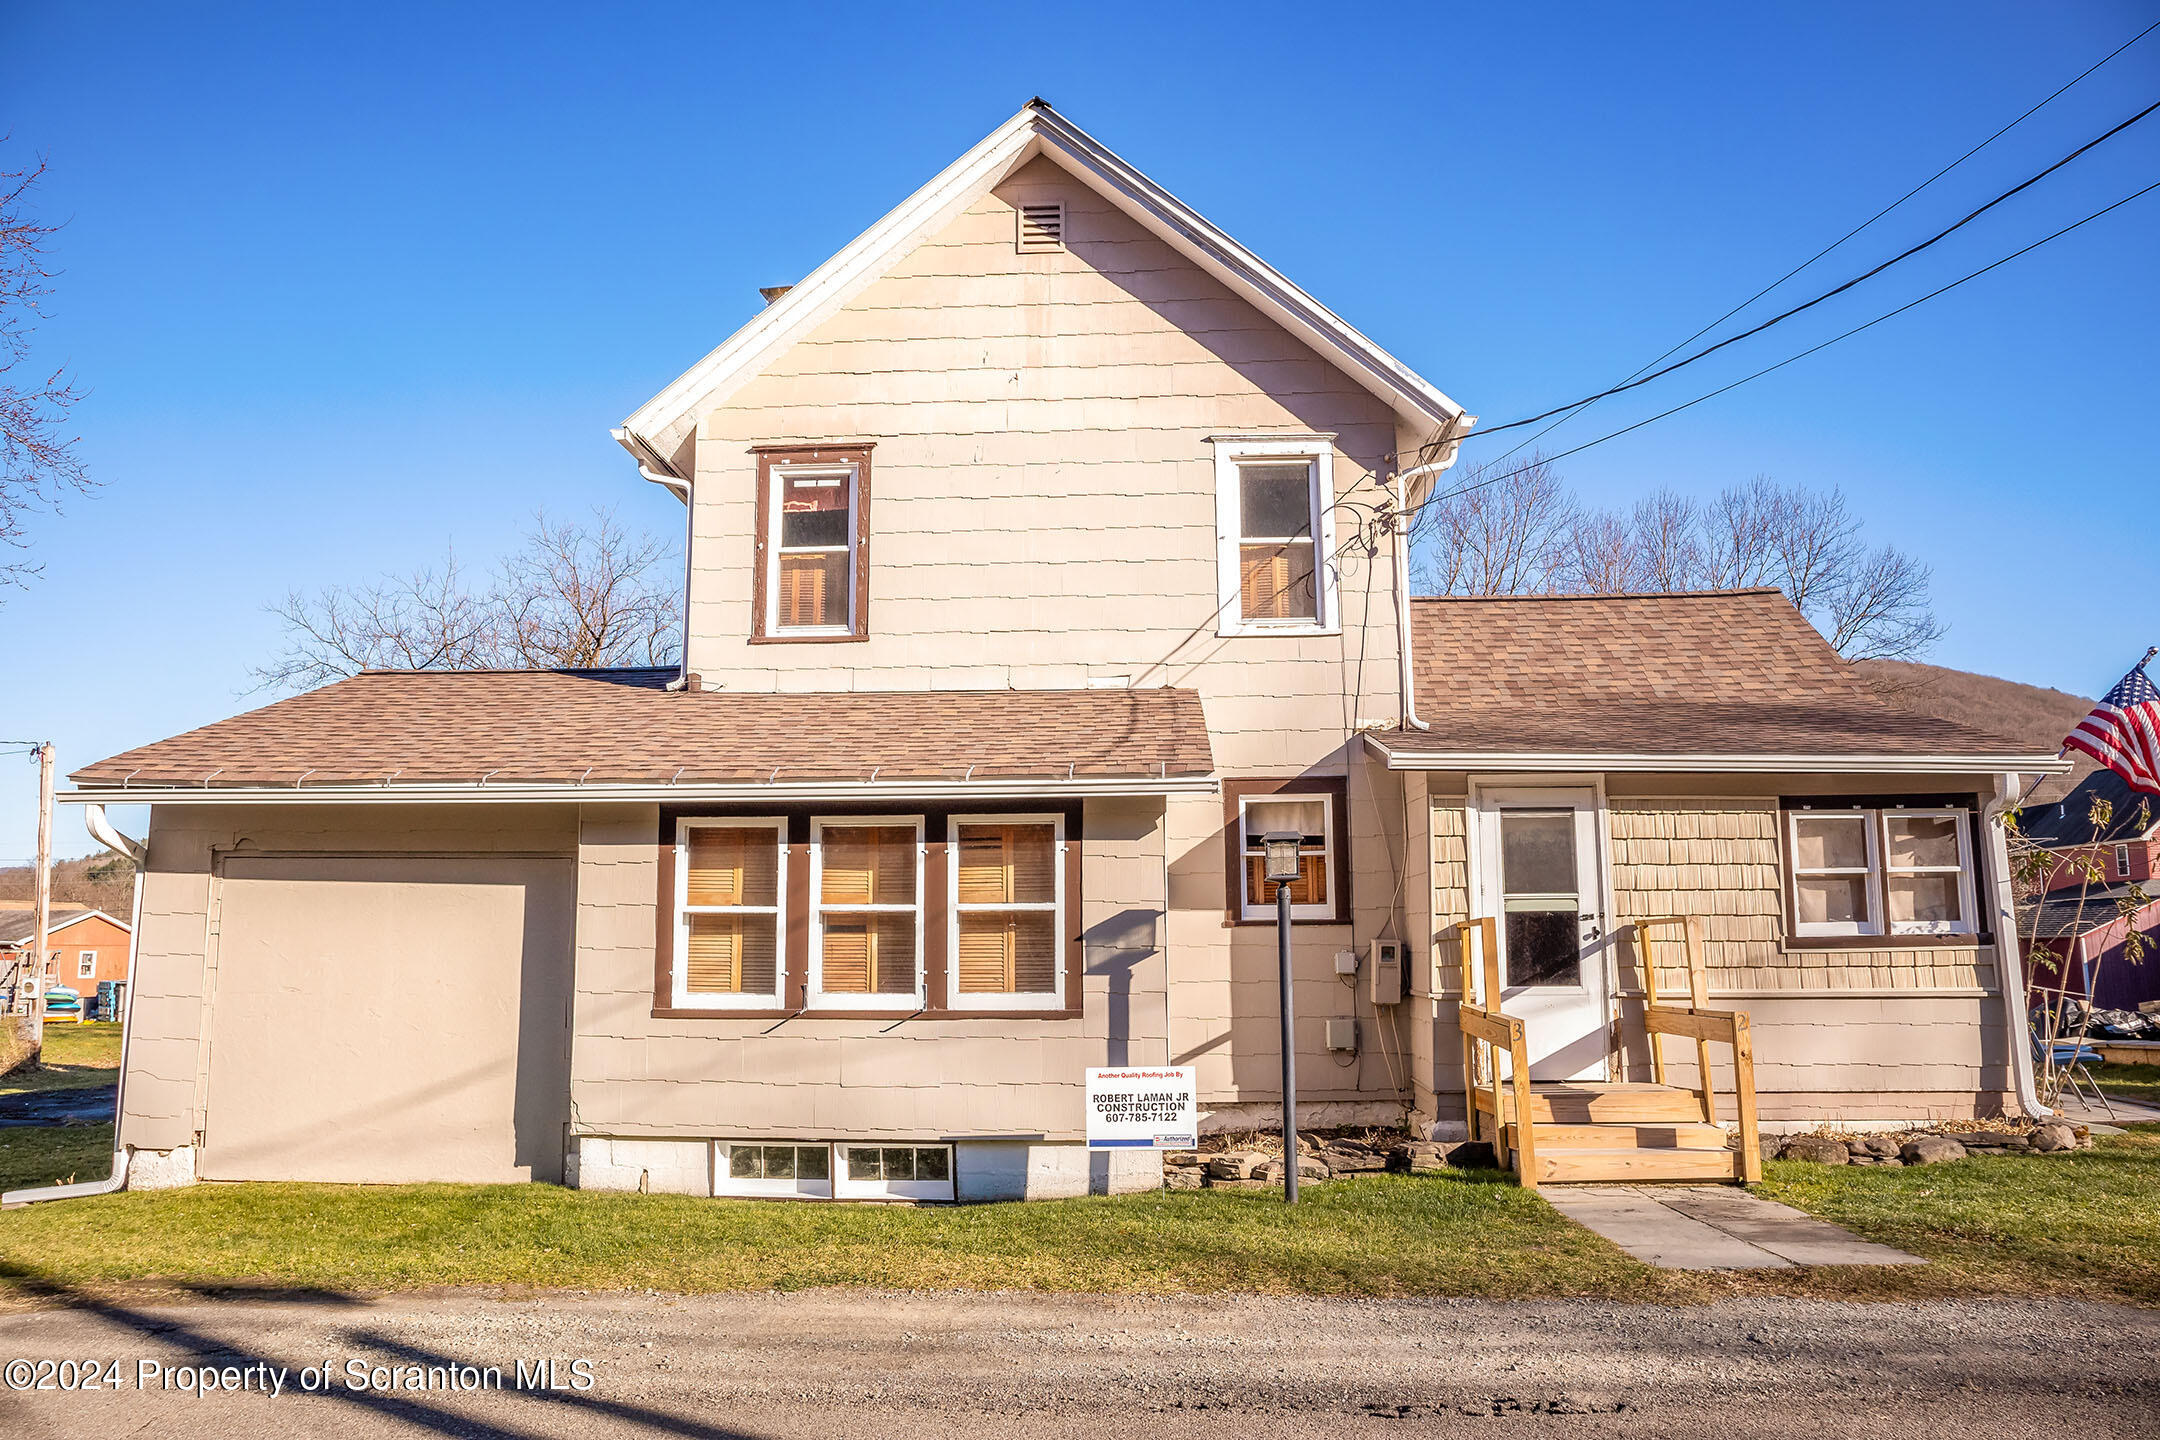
x: 1881, y: 872
x: 812, y: 551
x: 729, y: 913
x: 1274, y: 536
x: 893, y: 1172
x: 866, y: 939
x: 1007, y: 900
x: 772, y: 1168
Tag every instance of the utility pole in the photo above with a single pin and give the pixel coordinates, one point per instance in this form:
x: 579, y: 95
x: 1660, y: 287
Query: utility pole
x: 33, y: 1028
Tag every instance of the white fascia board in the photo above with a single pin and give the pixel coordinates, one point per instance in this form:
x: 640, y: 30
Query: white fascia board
x: 1629, y: 763
x: 58, y: 925
x: 660, y: 424
x: 755, y: 792
x: 1178, y: 225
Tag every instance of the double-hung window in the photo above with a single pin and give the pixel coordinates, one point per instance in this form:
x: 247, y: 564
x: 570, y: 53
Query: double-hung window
x: 1881, y: 872
x: 866, y: 943
x: 1313, y: 818
x: 2122, y: 862
x: 729, y: 901
x: 1007, y: 900
x: 86, y: 964
x: 813, y: 509
x: 1274, y: 535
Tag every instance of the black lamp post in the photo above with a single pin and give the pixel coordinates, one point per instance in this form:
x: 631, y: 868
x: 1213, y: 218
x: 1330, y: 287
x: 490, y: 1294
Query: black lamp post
x: 1282, y: 868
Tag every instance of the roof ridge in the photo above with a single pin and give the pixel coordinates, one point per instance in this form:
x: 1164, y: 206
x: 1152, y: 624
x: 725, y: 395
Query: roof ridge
x: 1554, y: 595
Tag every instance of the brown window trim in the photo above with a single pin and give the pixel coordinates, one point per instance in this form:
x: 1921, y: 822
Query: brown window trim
x: 859, y: 615
x: 1233, y: 791
x: 936, y: 912
x: 1983, y: 936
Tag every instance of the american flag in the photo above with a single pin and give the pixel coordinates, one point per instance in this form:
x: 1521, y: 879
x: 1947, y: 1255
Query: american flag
x: 2123, y: 731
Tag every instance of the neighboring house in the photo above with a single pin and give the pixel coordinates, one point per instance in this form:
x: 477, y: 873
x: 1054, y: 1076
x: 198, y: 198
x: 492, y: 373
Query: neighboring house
x: 2082, y: 916
x: 82, y: 947
x: 1028, y: 586
x: 2123, y: 849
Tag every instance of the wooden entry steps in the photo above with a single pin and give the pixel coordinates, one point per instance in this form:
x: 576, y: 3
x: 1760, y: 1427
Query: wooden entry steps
x: 1587, y: 1132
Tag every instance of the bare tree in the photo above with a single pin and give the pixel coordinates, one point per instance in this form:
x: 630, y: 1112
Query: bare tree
x: 38, y: 462
x: 574, y: 596
x: 1499, y: 532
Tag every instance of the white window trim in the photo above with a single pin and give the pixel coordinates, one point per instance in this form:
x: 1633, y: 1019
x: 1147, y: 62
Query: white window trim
x: 1325, y: 910
x: 817, y: 999
x: 2122, y: 862
x: 1229, y: 530
x: 1871, y: 873
x: 1961, y: 826
x: 777, y: 477
x: 1875, y: 825
x: 846, y: 1189
x: 683, y: 996
x: 981, y: 1000
x: 724, y: 1183
x: 86, y: 964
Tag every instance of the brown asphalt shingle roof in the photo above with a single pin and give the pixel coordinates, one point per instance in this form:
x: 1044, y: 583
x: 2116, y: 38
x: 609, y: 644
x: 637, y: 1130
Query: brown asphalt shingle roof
x: 623, y: 726
x: 1730, y: 672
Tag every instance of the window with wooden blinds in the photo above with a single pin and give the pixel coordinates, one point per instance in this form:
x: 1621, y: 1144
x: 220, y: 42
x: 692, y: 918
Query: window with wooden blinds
x: 1007, y: 904
x: 1313, y: 818
x: 868, y: 913
x: 728, y: 922
x: 1276, y: 569
x: 811, y: 556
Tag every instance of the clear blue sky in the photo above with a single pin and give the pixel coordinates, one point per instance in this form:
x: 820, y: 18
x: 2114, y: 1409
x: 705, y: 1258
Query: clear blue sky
x: 347, y: 285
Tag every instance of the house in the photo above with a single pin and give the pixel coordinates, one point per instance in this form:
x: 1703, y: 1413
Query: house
x: 82, y: 948
x: 1038, y: 565
x: 2076, y: 933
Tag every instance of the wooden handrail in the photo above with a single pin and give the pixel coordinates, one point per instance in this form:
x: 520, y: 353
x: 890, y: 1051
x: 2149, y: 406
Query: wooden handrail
x: 1698, y: 1022
x: 1486, y: 1025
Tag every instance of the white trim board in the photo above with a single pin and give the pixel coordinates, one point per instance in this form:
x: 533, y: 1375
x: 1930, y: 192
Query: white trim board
x: 1616, y: 762
x: 659, y: 427
x: 777, y: 793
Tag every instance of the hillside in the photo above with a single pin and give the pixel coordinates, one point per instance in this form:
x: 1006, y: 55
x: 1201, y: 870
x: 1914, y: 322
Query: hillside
x: 2029, y: 714
x: 101, y: 881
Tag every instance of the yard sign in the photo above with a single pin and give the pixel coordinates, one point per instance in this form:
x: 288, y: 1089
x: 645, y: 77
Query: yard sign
x: 1148, y: 1108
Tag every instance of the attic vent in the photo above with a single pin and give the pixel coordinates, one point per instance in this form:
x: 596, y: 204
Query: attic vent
x: 1042, y: 228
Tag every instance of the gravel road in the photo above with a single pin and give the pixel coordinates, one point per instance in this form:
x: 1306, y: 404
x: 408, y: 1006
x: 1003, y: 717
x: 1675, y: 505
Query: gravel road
x: 846, y: 1364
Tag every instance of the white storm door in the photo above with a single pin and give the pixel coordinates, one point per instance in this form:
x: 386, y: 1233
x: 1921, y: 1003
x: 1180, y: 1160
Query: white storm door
x: 1541, y: 876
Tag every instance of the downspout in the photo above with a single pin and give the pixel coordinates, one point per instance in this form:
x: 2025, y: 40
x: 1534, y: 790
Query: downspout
x: 103, y: 832
x: 653, y: 468
x: 2009, y: 964
x: 1404, y: 672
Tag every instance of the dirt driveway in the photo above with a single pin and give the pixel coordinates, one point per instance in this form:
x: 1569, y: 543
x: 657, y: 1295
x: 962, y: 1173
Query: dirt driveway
x: 862, y: 1364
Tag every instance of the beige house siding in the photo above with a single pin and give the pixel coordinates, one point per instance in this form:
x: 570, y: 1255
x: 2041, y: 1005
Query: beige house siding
x: 173, y: 1018
x: 1043, y: 493
x: 1858, y: 1034
x: 818, y: 1078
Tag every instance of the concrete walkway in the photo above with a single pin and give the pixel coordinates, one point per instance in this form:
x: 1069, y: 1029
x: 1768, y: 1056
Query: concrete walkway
x: 1706, y: 1227
x: 2117, y: 1111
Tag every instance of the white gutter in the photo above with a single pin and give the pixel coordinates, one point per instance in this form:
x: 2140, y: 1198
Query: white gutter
x: 101, y: 828
x: 756, y: 792
x: 1637, y: 762
x: 2009, y: 963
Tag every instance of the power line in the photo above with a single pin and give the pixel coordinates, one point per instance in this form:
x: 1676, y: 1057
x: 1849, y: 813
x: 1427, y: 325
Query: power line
x: 1802, y: 355
x: 2051, y: 99
x: 1938, y: 236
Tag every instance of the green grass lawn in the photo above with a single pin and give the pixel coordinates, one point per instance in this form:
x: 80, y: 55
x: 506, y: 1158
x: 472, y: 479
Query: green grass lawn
x: 2130, y: 1082
x: 53, y: 1155
x: 2086, y: 1225
x: 75, y: 1056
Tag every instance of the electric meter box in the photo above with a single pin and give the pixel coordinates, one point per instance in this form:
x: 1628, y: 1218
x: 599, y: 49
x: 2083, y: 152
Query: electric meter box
x: 1386, y: 968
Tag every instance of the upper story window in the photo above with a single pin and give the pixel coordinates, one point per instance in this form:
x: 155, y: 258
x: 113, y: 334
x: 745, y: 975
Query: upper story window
x: 813, y: 547
x: 1008, y: 897
x: 1881, y: 872
x: 1275, y: 535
